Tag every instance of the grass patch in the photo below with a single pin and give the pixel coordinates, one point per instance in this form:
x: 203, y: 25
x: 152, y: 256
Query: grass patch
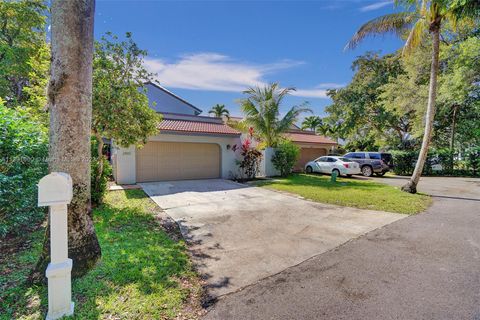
x: 364, y: 194
x: 143, y: 274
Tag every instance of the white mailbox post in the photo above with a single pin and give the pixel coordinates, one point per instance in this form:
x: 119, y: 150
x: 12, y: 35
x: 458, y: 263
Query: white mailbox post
x: 55, y: 191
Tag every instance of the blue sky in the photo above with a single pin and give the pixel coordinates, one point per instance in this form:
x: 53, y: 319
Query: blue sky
x: 209, y: 51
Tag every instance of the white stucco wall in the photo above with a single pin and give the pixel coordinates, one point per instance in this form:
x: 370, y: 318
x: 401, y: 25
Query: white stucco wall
x: 124, y: 165
x: 266, y: 166
x: 125, y: 157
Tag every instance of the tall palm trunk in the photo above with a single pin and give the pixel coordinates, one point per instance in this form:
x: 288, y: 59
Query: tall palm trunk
x: 411, y: 186
x: 70, y: 103
x: 452, y: 135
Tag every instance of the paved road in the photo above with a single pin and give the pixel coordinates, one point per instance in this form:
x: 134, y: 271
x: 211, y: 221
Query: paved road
x: 239, y: 234
x: 423, y: 267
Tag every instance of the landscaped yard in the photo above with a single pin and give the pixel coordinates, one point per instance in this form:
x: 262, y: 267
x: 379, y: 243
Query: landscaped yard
x: 351, y: 192
x: 143, y: 274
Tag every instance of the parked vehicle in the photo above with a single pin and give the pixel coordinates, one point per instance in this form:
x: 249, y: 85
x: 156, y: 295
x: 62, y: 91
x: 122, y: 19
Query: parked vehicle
x: 435, y: 164
x: 372, y: 162
x: 330, y: 164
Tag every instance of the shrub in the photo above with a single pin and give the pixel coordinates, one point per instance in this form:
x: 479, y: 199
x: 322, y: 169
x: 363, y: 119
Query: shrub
x: 473, y: 159
x: 285, y: 157
x: 404, y: 162
x: 99, y: 185
x: 250, y: 157
x: 24, y: 151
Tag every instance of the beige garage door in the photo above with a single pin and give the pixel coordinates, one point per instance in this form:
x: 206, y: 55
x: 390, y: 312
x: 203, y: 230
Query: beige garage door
x: 308, y: 154
x: 158, y: 161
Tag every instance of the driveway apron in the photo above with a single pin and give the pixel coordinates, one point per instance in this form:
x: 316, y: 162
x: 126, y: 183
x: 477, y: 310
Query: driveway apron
x: 240, y: 234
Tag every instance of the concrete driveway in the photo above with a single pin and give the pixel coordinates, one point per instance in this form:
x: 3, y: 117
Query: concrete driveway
x: 425, y: 266
x: 240, y: 234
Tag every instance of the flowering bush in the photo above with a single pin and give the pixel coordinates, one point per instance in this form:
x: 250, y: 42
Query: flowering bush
x: 250, y: 156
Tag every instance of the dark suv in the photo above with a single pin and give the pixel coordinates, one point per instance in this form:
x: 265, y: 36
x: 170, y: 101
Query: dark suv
x: 372, y: 162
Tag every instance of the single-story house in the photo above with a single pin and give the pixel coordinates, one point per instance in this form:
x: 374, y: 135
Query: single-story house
x: 311, y: 146
x: 188, y: 146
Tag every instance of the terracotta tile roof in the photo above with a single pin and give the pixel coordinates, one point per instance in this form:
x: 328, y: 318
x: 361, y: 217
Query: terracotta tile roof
x: 196, y: 127
x: 308, y: 137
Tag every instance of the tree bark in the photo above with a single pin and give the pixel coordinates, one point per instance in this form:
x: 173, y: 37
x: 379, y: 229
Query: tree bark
x: 452, y: 135
x: 411, y: 186
x: 70, y: 103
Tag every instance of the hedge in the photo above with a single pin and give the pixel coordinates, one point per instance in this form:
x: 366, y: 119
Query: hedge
x: 24, y: 151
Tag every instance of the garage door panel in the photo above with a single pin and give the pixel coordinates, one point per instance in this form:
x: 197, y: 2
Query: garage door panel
x: 308, y: 154
x: 158, y: 161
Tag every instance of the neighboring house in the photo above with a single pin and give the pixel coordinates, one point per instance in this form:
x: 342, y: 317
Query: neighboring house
x: 188, y: 146
x: 311, y: 146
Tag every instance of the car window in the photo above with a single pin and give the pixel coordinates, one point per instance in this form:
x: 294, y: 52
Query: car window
x: 348, y: 155
x: 331, y: 159
x: 358, y: 155
x: 374, y: 155
x: 386, y: 157
x: 322, y: 159
x: 344, y: 159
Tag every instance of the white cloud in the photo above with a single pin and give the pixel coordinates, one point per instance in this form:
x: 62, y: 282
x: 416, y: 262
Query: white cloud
x: 217, y: 72
x: 319, y: 91
x: 376, y: 5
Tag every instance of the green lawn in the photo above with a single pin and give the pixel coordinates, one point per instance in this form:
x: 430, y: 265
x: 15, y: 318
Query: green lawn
x: 143, y: 274
x: 350, y: 192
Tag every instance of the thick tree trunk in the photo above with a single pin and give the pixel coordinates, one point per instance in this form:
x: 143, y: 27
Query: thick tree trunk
x: 70, y: 103
x: 411, y: 186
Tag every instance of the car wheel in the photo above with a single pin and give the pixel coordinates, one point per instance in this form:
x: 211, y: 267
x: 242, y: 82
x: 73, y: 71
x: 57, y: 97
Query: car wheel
x: 367, y: 171
x: 309, y: 169
x: 337, y: 171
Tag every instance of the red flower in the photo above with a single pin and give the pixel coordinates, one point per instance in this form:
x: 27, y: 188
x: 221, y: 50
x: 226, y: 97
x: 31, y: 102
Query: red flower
x: 250, y: 131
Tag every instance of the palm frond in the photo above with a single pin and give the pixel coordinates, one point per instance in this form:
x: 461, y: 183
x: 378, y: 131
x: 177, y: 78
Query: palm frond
x: 291, y: 117
x: 396, y: 23
x: 415, y: 36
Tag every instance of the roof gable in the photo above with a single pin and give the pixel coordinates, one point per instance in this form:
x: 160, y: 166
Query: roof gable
x: 162, y: 100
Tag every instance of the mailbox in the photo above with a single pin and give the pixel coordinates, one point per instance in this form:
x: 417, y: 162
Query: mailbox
x: 55, y: 189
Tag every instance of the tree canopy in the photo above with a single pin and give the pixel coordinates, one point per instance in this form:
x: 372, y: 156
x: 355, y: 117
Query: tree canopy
x: 120, y: 105
x: 24, y: 54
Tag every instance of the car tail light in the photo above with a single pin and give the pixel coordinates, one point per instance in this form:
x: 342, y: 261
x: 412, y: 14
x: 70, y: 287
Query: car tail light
x: 345, y: 165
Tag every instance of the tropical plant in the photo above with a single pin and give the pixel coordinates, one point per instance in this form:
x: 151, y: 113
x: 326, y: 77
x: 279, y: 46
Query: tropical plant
x: 428, y: 16
x: 219, y: 111
x: 285, y: 157
x: 250, y: 156
x: 323, y: 129
x: 120, y: 106
x: 23, y: 150
x: 262, y: 112
x: 311, y: 122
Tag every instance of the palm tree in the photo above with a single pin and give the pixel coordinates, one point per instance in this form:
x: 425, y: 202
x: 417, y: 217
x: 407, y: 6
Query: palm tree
x: 334, y: 131
x: 428, y: 16
x: 220, y: 111
x: 311, y: 122
x: 323, y: 129
x: 262, y: 112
